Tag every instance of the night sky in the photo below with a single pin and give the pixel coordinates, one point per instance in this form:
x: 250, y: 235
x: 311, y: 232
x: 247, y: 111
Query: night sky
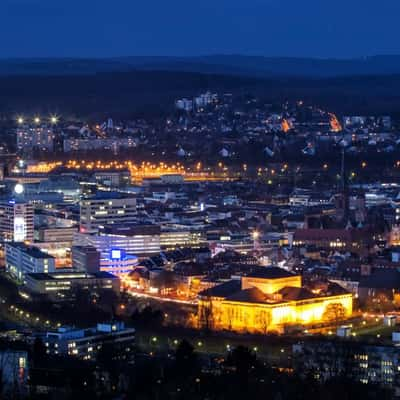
x: 97, y: 28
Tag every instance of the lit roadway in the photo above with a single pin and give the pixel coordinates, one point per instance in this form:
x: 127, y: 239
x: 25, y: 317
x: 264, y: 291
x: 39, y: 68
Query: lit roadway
x: 160, y: 298
x: 140, y: 171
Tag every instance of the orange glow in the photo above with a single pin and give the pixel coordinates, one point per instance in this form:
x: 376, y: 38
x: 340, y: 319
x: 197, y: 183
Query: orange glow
x: 272, y: 313
x: 138, y: 171
x: 286, y: 126
x: 334, y: 123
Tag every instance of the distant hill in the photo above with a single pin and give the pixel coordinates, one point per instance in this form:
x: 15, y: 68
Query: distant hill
x: 144, y: 93
x: 254, y: 66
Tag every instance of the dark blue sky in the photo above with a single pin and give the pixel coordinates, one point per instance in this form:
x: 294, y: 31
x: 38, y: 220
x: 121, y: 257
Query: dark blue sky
x: 95, y: 28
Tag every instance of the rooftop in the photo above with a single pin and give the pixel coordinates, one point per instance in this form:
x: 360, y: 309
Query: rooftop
x: 269, y: 273
x: 30, y: 250
x: 70, y: 275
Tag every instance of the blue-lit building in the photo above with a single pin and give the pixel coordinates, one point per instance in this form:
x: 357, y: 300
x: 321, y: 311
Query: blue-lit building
x: 119, y: 263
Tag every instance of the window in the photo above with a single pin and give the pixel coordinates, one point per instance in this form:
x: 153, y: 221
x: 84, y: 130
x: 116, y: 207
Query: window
x: 22, y: 362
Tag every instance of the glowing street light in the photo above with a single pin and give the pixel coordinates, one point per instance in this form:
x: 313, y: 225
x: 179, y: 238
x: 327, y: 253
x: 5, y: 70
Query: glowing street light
x: 53, y: 119
x: 19, y: 188
x: 20, y: 120
x: 36, y: 120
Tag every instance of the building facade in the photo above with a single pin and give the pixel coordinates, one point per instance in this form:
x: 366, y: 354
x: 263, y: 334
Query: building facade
x: 22, y: 259
x: 16, y: 221
x: 61, y: 286
x: 269, y: 300
x: 104, y: 210
x: 86, y: 343
x: 138, y: 240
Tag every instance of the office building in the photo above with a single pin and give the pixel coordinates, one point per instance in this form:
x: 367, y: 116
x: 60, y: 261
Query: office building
x: 85, y: 343
x: 60, y: 286
x: 22, y: 259
x: 172, y: 239
x: 138, y: 240
x: 16, y: 221
x: 112, y: 178
x: 55, y: 234
x: 105, y: 209
x: 85, y: 258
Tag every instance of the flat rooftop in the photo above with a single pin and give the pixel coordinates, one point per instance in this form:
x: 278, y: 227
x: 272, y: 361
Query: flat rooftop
x: 70, y: 275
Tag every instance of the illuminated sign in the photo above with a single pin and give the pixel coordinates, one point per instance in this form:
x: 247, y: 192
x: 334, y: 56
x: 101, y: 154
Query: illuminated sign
x: 19, y: 229
x: 117, y: 254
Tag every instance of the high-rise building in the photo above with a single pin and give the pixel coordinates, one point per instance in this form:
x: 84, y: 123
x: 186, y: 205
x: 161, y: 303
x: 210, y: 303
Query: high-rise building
x: 16, y: 221
x: 106, y: 209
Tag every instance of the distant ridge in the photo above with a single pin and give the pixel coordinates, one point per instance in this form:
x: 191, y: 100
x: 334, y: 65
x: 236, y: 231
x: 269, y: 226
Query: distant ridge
x: 251, y: 66
x: 142, y: 92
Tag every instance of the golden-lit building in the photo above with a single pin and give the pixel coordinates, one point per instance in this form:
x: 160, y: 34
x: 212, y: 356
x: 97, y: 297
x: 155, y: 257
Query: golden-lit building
x: 268, y: 300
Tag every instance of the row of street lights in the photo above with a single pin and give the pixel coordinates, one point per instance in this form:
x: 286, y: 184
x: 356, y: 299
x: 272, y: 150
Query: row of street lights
x: 53, y: 119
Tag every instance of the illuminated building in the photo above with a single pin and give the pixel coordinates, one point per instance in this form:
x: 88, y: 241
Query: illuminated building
x: 61, y: 251
x: 394, y: 236
x: 61, y: 286
x: 112, y: 178
x: 85, y: 343
x: 268, y: 300
x: 334, y: 123
x: 355, y: 240
x: 119, y: 263
x: 114, y: 144
x: 184, y: 104
x: 55, y: 233
x: 105, y: 209
x: 22, y: 259
x: 138, y: 240
x: 56, y: 240
x: 205, y: 99
x: 16, y: 221
x: 29, y: 138
x: 173, y: 239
